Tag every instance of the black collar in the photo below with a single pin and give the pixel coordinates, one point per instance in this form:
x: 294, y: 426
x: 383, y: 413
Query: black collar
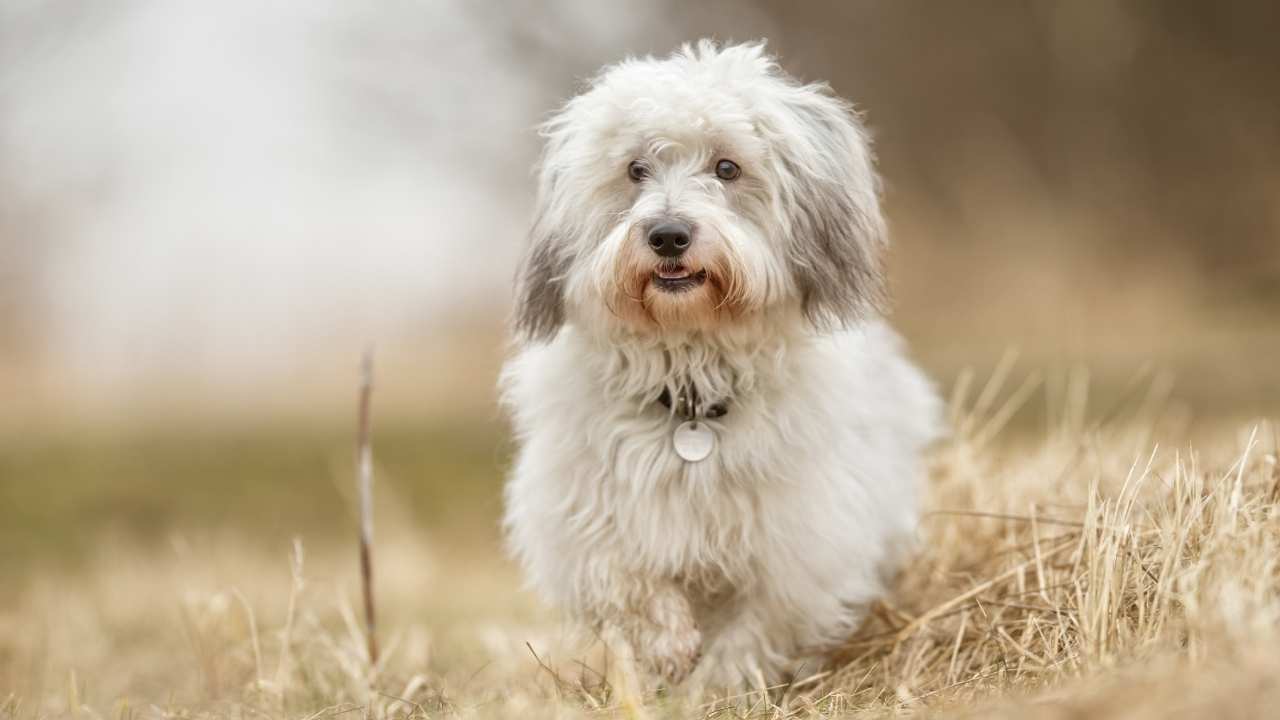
x: 688, y: 404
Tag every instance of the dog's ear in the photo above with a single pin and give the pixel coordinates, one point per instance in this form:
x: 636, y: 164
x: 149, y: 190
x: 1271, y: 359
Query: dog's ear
x: 540, y: 280
x: 539, y: 294
x: 832, y: 198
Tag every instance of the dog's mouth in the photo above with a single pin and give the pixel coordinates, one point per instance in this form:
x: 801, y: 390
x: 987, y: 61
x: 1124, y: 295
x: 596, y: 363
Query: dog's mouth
x: 676, y: 278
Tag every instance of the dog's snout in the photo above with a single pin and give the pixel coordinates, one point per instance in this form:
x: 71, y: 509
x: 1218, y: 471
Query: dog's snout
x: 670, y: 238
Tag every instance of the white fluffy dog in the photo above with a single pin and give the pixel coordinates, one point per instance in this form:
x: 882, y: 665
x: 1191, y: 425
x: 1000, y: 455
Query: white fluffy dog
x: 719, y: 436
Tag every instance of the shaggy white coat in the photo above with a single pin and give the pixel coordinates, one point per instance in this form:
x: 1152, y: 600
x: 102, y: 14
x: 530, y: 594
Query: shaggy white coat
x: 758, y: 560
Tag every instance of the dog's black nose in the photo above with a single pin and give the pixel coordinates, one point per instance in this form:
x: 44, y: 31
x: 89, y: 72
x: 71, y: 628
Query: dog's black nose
x: 670, y: 238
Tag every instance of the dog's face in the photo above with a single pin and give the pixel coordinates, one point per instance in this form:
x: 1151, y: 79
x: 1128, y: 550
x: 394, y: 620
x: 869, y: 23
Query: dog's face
x: 691, y: 193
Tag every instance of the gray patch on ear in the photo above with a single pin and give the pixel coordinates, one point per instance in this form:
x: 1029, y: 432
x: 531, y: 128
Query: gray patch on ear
x: 539, y: 293
x: 838, y: 234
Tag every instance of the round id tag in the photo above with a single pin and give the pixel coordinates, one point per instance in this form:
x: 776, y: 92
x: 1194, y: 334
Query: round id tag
x: 693, y: 440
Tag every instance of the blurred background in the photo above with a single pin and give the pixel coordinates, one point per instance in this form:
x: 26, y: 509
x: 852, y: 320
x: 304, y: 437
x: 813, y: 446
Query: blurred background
x: 207, y: 210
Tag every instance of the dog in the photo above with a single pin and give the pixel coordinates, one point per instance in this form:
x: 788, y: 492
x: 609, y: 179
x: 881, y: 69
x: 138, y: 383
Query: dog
x: 719, y: 437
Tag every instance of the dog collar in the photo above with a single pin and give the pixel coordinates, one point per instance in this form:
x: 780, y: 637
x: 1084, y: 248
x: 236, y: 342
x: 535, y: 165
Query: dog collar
x: 693, y: 440
x: 687, y: 404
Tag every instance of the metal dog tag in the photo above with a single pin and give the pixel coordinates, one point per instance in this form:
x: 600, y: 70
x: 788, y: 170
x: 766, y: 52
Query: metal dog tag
x: 693, y: 440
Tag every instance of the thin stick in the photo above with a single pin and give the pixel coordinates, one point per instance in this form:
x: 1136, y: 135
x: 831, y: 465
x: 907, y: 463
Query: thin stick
x: 365, y: 482
x: 284, y: 667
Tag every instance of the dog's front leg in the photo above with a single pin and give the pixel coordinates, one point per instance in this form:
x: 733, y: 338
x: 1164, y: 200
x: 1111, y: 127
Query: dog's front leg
x: 658, y: 625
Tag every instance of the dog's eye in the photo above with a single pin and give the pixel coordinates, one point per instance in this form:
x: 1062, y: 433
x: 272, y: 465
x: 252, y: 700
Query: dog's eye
x: 728, y: 170
x: 637, y: 171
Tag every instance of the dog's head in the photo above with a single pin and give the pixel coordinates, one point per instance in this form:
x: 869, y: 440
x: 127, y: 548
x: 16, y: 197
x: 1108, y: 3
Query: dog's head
x: 693, y: 192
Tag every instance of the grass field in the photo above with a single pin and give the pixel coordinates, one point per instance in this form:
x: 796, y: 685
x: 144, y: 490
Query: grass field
x: 1090, y: 563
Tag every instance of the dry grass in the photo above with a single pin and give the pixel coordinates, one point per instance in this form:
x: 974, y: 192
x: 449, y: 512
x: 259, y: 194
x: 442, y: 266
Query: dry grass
x: 1086, y: 573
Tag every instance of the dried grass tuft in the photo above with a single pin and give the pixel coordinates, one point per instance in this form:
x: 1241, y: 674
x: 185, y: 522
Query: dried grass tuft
x: 1090, y: 573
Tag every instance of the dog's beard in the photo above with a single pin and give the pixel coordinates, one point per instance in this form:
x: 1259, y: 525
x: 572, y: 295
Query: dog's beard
x: 701, y: 290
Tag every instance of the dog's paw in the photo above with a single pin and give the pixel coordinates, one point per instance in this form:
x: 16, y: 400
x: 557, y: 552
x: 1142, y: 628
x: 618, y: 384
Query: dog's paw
x: 670, y: 653
x: 666, y: 638
x: 729, y: 663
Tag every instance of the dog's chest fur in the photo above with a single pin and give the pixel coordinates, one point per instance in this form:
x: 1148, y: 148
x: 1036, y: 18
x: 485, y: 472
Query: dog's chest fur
x: 620, y: 484
x: 700, y: 516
